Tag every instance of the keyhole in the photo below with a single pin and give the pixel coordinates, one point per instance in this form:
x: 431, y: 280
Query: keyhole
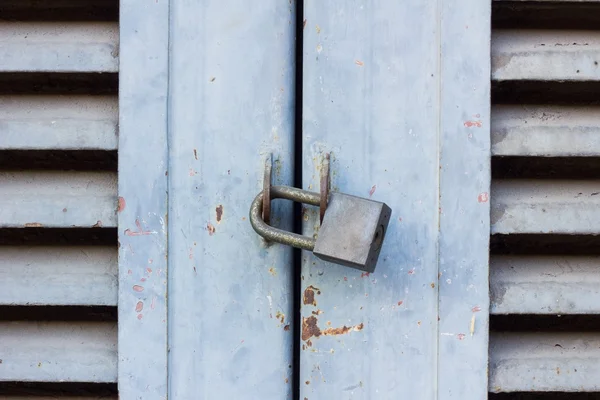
x: 378, y: 239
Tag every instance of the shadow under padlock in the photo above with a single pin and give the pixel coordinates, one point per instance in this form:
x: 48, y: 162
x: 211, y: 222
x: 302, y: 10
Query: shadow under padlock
x: 352, y: 228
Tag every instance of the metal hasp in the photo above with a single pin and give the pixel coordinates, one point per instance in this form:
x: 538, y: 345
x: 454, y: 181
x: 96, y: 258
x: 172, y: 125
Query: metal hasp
x: 351, y: 233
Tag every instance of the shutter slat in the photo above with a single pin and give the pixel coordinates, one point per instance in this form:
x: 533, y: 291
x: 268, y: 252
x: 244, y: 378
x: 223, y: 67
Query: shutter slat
x: 70, y: 275
x: 58, y: 199
x: 58, y: 351
x: 559, y: 207
x: 545, y: 55
x: 545, y: 285
x: 546, y: 131
x: 544, y: 362
x: 58, y: 47
x: 58, y: 123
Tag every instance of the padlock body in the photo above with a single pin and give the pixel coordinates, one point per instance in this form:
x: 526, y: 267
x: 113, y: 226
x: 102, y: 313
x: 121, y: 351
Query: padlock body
x: 352, y: 231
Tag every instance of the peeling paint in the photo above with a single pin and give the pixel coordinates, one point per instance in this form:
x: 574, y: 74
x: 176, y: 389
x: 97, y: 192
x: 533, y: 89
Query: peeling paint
x: 139, y: 306
x: 219, y: 211
x: 138, y: 288
x: 309, y: 295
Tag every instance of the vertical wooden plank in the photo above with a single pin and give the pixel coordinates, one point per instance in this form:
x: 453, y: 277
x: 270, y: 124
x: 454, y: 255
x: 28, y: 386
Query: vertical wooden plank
x: 231, y: 91
x: 142, y: 206
x: 464, y: 200
x: 371, y: 97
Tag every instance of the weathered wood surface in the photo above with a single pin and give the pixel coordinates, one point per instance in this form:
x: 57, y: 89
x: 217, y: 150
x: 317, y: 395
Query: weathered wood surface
x: 59, y: 47
x: 231, y: 104
x: 399, y: 96
x: 65, y: 275
x: 544, y: 362
x: 545, y: 284
x: 545, y: 131
x: 60, y: 199
x: 545, y: 55
x: 58, y: 351
x: 143, y: 199
x: 542, y: 206
x: 58, y: 122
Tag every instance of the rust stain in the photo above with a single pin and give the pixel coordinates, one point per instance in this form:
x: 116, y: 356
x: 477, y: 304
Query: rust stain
x: 140, y: 232
x: 364, y: 274
x: 473, y: 124
x: 419, y: 323
x: 310, y: 328
x: 64, y: 210
x: 304, y: 24
x: 280, y: 316
x: 372, y: 191
x: 359, y: 63
x: 342, y: 331
x: 411, y: 271
x: 33, y: 225
x: 139, y: 306
x: 121, y: 204
x: 149, y: 270
x: 400, y: 302
x: 307, y: 382
x: 138, y: 288
x: 286, y: 328
x: 317, y: 313
x: 195, y: 154
x: 483, y: 197
x: 219, y: 211
x: 210, y: 228
x: 318, y: 29
x: 309, y: 295
x: 273, y: 271
x: 432, y: 285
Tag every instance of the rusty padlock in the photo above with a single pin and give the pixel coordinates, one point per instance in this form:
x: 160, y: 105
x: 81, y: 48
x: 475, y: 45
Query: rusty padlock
x: 351, y: 233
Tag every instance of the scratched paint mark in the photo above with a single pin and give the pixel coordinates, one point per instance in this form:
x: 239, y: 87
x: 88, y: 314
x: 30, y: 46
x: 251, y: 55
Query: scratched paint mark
x: 461, y: 336
x: 140, y: 232
x: 476, y: 309
x: 372, y: 191
x: 143, y: 280
x: 139, y: 306
x: 219, y: 211
x: 210, y: 228
x: 138, y: 288
x: 212, y: 79
x: 400, y: 302
x: 191, y: 253
x: 304, y: 24
x: 153, y: 303
x: 411, y: 271
x: 129, y: 272
x: 364, y: 274
x: 195, y: 154
x: 140, y: 316
x: 149, y: 270
x: 121, y: 204
x: 473, y: 124
x: 483, y: 197
x: 359, y: 63
x: 309, y: 295
x: 472, y: 325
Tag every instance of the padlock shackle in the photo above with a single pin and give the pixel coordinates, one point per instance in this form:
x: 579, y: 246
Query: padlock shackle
x: 278, y: 235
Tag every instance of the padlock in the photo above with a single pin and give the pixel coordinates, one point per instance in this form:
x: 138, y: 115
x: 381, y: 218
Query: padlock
x: 351, y: 234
